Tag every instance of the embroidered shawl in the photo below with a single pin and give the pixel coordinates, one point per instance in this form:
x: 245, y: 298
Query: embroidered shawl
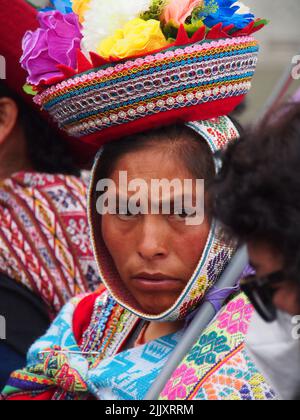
x: 75, y: 360
x: 44, y: 236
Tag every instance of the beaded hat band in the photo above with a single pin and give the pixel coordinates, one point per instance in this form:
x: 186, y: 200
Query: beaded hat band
x: 194, y: 82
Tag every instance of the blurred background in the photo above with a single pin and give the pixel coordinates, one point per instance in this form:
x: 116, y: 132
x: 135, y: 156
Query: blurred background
x: 280, y: 41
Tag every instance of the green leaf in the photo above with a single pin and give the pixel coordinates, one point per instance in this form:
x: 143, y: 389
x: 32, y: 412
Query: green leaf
x: 196, y: 12
x: 259, y: 22
x: 170, y: 30
x: 30, y: 90
x: 154, y: 11
x: 193, y: 27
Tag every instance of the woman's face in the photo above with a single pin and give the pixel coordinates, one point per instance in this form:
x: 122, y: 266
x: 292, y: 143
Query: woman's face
x: 266, y: 260
x: 155, y: 254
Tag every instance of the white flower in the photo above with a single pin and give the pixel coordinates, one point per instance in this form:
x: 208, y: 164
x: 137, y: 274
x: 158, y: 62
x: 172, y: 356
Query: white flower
x: 104, y: 17
x: 243, y: 8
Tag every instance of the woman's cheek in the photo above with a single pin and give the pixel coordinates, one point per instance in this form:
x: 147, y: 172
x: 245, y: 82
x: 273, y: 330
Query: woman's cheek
x: 286, y: 299
x: 111, y: 234
x: 114, y: 237
x: 191, y: 244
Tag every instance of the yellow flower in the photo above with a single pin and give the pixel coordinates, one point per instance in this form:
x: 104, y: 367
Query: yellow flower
x: 80, y: 7
x: 136, y: 38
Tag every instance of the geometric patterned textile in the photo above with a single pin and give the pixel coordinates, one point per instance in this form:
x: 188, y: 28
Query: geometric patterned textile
x: 44, y: 236
x: 61, y: 368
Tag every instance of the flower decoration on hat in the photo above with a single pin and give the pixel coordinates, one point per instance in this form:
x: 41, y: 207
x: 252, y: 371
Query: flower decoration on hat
x: 98, y: 65
x: 55, y: 43
x: 228, y: 12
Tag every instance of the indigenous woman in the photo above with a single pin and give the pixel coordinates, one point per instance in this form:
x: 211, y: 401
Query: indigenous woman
x: 45, y: 252
x: 166, y: 110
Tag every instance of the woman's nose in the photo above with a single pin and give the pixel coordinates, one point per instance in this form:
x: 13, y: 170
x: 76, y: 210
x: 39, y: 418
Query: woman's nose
x: 152, y: 243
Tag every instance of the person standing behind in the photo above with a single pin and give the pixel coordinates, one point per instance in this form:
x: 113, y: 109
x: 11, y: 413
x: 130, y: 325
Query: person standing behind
x: 45, y: 256
x: 257, y: 199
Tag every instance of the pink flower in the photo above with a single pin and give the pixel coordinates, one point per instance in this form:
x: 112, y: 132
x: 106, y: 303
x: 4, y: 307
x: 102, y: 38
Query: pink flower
x: 179, y: 10
x: 55, y: 42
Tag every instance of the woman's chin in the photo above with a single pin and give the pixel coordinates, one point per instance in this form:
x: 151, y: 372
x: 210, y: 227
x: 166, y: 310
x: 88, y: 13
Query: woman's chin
x: 155, y: 307
x: 155, y: 303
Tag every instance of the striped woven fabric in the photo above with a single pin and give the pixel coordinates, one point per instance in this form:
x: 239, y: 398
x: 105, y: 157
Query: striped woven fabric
x: 193, y: 77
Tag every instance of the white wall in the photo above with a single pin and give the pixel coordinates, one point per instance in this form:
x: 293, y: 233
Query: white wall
x: 39, y: 3
x: 279, y: 42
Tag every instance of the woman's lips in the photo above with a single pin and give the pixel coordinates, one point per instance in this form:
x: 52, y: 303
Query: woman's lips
x: 156, y: 283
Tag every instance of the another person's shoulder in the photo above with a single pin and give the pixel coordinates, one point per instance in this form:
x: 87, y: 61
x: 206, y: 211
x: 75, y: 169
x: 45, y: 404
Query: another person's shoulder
x: 40, y: 181
x: 63, y: 194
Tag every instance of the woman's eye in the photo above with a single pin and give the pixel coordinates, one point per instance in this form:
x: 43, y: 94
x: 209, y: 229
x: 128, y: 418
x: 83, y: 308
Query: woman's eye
x: 182, y: 216
x: 126, y: 216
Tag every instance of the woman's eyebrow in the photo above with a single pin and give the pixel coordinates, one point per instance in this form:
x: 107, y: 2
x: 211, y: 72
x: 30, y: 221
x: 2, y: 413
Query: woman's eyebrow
x: 181, y: 200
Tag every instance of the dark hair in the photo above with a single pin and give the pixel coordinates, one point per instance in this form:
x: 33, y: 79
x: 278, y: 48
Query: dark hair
x: 179, y: 141
x: 47, y: 151
x: 257, y: 192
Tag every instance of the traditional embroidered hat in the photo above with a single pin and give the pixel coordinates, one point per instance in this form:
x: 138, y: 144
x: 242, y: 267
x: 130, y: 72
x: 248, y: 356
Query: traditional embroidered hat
x: 104, y: 70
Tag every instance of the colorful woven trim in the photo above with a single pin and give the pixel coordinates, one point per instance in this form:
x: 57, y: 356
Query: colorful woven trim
x: 110, y: 327
x: 178, y: 78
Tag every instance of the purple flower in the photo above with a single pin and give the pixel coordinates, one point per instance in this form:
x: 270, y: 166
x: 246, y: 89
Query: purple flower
x: 55, y: 42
